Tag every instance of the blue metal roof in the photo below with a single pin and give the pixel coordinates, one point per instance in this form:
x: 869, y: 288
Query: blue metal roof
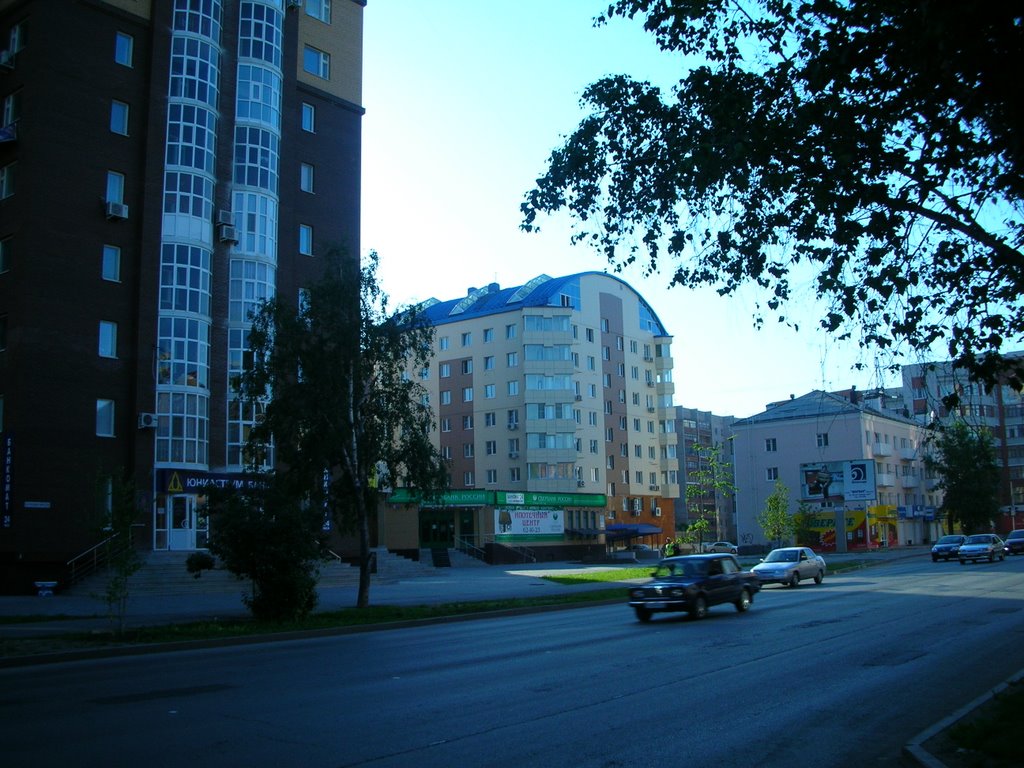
x: 493, y: 300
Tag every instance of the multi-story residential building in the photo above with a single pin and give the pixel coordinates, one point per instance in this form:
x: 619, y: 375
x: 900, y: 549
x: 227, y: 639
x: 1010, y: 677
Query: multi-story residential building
x: 703, y: 438
x: 163, y: 167
x: 554, y: 406
x: 1000, y: 409
x: 840, y: 457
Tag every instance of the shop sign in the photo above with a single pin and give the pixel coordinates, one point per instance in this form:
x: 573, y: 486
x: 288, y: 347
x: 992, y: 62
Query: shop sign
x: 838, y: 481
x: 528, y: 522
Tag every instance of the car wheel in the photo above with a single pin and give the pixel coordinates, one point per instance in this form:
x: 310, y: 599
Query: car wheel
x: 643, y: 614
x: 700, y: 608
x: 794, y: 579
x: 991, y: 557
x: 743, y: 601
x: 935, y: 558
x: 819, y: 577
x: 963, y: 562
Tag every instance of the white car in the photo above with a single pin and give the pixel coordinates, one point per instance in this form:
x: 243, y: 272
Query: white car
x: 981, y: 546
x: 790, y: 565
x: 724, y: 547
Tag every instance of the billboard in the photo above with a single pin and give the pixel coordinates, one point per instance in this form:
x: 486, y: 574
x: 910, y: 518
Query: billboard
x: 838, y: 481
x: 511, y: 521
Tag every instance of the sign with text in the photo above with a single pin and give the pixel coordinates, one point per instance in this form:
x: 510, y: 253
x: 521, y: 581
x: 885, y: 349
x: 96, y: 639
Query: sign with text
x: 838, y: 481
x: 528, y: 522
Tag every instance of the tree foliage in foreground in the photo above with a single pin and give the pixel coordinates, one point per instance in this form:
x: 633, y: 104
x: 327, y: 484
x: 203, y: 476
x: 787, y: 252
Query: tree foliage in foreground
x: 965, y: 460
x: 875, y: 145
x: 345, y: 419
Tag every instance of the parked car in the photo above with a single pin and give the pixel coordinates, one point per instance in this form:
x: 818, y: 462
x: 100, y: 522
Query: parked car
x: 722, y: 546
x: 789, y: 565
x: 981, y: 546
x: 694, y: 583
x: 947, y: 547
x: 1014, y: 542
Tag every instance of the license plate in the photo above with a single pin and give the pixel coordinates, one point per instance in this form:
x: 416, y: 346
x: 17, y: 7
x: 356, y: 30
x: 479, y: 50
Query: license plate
x: 656, y: 605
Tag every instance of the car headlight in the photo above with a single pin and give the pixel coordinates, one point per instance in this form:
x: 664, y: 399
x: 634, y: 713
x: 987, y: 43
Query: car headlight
x: 636, y: 593
x: 677, y: 592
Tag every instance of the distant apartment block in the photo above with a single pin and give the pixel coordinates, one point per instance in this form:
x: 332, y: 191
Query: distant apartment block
x: 701, y: 436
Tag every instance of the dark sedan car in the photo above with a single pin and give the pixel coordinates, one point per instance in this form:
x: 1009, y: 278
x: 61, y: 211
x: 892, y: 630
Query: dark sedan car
x: 694, y: 583
x: 1014, y: 542
x: 947, y: 547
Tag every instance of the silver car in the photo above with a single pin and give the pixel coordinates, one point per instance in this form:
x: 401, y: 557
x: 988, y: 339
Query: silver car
x: 981, y: 546
x: 790, y: 565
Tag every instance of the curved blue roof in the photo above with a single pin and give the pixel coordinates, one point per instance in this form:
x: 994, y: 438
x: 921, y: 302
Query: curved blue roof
x: 493, y: 300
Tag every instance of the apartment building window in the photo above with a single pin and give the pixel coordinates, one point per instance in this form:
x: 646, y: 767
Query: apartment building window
x: 306, y: 177
x: 512, y: 359
x: 771, y: 474
x: 467, y: 394
x: 319, y: 9
x: 604, y: 325
x: 492, y: 477
x: 467, y: 366
x: 7, y: 180
x: 489, y: 363
x: 446, y: 397
x: 446, y: 452
x: 491, y: 447
x: 513, y: 388
x: 488, y: 335
x: 510, y: 331
x: 12, y: 108
x: 467, y: 339
x: 444, y: 370
x: 305, y: 239
x: 316, y: 62
x: 823, y: 439
x: 446, y: 424
x: 467, y: 450
x: 770, y: 445
x: 489, y: 392
x: 6, y: 251
x: 119, y: 117
x: 513, y: 419
x: 108, y: 339
x: 490, y: 419
x: 514, y: 474
x: 308, y: 118
x: 115, y: 187
x: 467, y: 479
x: 105, y: 418
x: 442, y: 343
x: 124, y: 49
x: 467, y: 422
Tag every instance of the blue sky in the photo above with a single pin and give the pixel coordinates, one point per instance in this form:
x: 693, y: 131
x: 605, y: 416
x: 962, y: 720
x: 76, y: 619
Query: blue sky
x: 465, y: 99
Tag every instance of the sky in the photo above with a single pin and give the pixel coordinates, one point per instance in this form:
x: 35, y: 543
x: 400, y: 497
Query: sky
x: 465, y: 100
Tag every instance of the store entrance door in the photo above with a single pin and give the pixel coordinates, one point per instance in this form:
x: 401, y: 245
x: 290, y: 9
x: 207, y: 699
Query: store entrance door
x: 437, y: 528
x: 182, y: 533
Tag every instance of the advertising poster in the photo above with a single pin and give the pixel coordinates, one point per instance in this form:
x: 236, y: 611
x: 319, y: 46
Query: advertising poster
x: 528, y: 522
x: 838, y: 481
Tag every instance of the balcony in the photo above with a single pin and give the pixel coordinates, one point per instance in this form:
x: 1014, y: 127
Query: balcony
x: 910, y: 481
x: 908, y: 454
x: 885, y: 480
x: 881, y: 449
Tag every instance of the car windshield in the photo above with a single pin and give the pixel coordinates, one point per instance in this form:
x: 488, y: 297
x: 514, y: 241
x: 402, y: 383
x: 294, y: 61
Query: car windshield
x: 950, y: 540
x: 782, y: 556
x: 981, y: 538
x: 1016, y: 535
x: 690, y: 568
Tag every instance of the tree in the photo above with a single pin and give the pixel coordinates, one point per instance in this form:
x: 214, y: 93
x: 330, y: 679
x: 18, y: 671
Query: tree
x: 869, y: 149
x: 268, y: 535
x: 119, y: 513
x: 775, y: 519
x: 713, y: 478
x: 344, y: 419
x: 965, y: 460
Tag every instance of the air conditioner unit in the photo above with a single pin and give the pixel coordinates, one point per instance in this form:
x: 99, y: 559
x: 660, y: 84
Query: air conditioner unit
x: 513, y: 454
x: 294, y: 3
x: 513, y: 426
x: 116, y: 210
x: 578, y: 398
x: 655, y: 487
x: 580, y: 484
x: 6, y: 60
x: 226, y: 234
x: 657, y: 511
x: 651, y: 409
x: 225, y: 217
x: 147, y: 421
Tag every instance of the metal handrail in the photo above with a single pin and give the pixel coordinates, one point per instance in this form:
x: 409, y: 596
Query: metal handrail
x: 92, y: 559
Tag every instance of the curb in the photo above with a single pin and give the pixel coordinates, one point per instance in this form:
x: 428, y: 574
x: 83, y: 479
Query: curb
x: 914, y: 749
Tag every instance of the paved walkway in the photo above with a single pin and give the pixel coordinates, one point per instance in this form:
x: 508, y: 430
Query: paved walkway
x: 444, y: 585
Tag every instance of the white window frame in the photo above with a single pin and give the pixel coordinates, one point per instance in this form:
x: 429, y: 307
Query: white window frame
x: 306, y: 177
x: 120, y: 112
x: 308, y: 117
x: 124, y: 49
x: 107, y: 346
x: 306, y: 239
x: 316, y: 62
x: 105, y: 413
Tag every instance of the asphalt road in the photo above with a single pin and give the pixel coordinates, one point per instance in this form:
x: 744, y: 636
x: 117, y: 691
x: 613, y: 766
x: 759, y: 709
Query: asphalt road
x: 841, y: 674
